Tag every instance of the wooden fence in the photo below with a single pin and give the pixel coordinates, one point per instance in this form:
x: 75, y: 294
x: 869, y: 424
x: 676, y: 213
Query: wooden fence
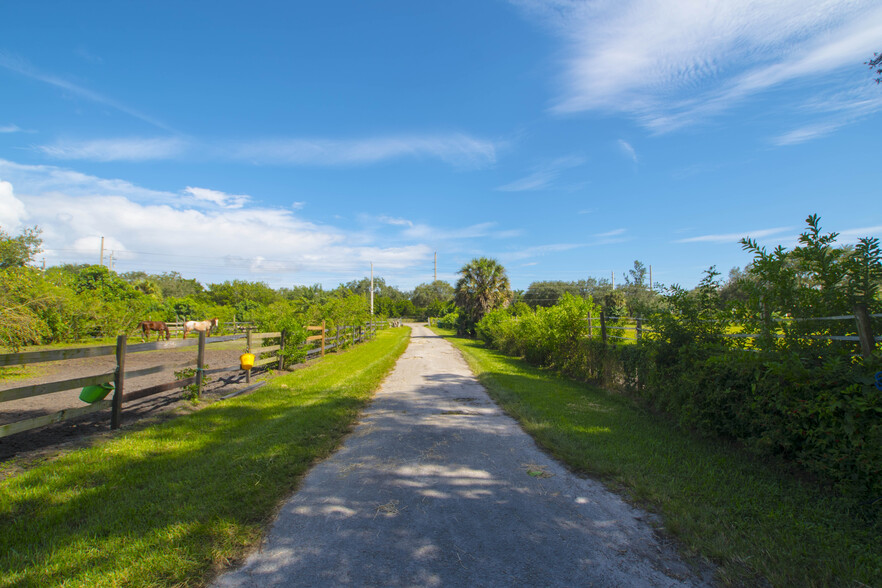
x: 864, y: 337
x: 266, y: 354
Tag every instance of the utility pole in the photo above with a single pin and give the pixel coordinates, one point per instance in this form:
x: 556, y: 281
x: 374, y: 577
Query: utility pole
x: 436, y: 267
x: 650, y: 277
x: 612, y: 275
x: 44, y: 264
x: 372, y: 288
x: 101, y: 260
x: 110, y: 265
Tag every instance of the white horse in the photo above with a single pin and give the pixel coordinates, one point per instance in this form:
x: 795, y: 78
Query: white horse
x: 199, y: 326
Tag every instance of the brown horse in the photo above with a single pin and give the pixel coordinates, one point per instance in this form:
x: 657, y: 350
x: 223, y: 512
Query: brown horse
x: 147, y: 326
x: 206, y: 326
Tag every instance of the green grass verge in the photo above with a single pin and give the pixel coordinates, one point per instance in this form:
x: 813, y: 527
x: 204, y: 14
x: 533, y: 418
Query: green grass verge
x: 755, y: 522
x: 174, y: 503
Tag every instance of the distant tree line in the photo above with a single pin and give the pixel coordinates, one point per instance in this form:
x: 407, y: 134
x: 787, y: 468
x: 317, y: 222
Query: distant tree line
x: 72, y: 302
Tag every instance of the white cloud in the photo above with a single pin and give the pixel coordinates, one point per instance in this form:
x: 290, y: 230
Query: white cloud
x: 457, y: 149
x: 12, y: 210
x: 628, y: 150
x: 220, y: 198
x: 734, y: 237
x: 127, y: 149
x: 37, y: 179
x: 671, y: 63
x: 10, y: 129
x: 159, y: 231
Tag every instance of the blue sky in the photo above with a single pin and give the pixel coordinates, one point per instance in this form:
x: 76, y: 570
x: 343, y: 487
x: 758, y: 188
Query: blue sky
x: 294, y: 144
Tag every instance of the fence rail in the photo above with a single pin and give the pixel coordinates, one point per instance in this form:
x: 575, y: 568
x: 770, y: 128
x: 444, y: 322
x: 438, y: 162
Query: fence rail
x: 863, y: 327
x: 253, y: 344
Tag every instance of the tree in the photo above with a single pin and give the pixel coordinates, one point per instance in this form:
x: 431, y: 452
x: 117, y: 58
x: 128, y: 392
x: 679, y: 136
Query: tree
x: 876, y: 65
x: 19, y: 251
x: 425, y: 295
x: 483, y: 286
x: 232, y: 293
x: 638, y: 293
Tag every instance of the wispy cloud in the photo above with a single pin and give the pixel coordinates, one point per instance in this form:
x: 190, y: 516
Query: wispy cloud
x: 806, y: 133
x: 22, y: 67
x: 10, y: 129
x: 835, y: 110
x: 219, y: 198
x: 436, y: 234
x: 613, y: 233
x: 610, y: 237
x: 538, y: 251
x: 670, y: 64
x: 734, y: 237
x: 852, y: 235
x: 544, y: 175
x: 628, y: 150
x: 400, y: 222
x: 457, y: 149
x: 125, y: 149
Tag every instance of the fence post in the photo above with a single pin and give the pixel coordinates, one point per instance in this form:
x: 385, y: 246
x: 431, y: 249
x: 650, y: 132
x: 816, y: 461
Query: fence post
x: 865, y: 329
x: 323, y: 338
x: 282, y: 351
x: 603, y: 326
x: 590, y: 326
x: 200, y: 361
x: 118, y: 382
x: 247, y: 350
x: 639, y: 329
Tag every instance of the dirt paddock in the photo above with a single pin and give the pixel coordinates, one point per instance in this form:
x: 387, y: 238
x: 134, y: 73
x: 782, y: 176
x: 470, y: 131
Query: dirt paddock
x: 42, y: 442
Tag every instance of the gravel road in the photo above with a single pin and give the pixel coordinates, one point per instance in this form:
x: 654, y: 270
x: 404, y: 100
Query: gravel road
x: 438, y: 487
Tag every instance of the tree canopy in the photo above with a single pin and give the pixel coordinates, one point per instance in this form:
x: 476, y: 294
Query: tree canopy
x: 483, y: 286
x: 19, y: 251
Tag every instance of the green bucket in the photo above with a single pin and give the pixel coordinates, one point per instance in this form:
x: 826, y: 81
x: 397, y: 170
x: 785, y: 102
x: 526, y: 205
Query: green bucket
x: 96, y: 392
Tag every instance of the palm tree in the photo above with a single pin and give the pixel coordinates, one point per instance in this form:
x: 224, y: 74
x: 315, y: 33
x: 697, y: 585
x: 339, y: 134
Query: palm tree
x: 483, y: 286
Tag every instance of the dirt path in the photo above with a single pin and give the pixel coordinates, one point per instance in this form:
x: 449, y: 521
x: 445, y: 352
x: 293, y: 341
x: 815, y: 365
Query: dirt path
x: 438, y: 487
x: 35, y: 443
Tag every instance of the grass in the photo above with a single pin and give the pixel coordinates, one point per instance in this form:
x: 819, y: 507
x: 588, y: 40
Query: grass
x: 757, y: 523
x: 174, y: 503
x: 16, y: 372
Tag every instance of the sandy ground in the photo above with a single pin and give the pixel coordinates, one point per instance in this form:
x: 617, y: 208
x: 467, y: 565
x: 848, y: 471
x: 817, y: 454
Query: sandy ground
x: 36, y: 442
x: 438, y: 487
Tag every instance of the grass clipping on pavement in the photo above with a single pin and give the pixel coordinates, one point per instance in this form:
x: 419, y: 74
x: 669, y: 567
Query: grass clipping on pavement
x: 175, y: 503
x: 758, y: 524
